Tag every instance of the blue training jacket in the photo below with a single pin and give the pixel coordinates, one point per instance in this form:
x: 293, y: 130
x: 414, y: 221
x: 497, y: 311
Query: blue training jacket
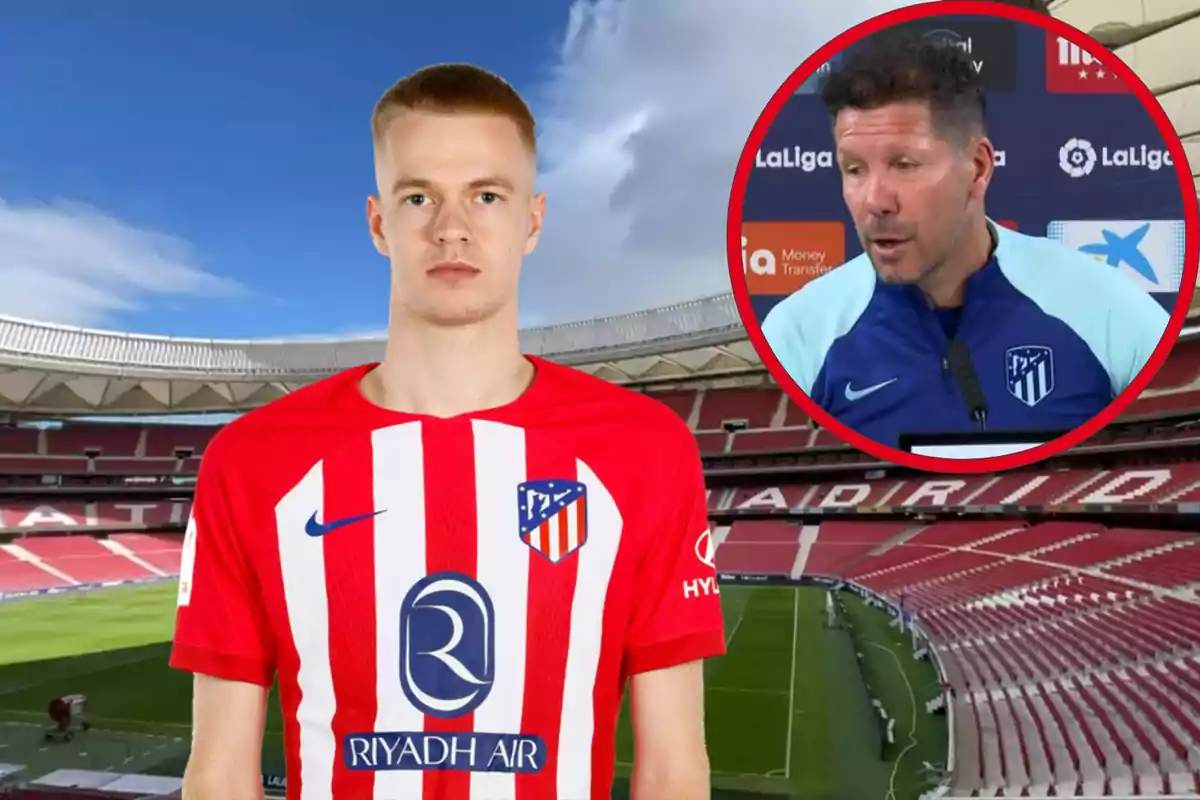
x: 1053, y: 336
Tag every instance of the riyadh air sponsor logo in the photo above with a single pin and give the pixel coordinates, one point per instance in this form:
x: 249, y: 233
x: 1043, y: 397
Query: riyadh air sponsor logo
x: 447, y: 669
x: 1148, y: 252
x: 1079, y: 157
x: 471, y: 752
x: 447, y: 644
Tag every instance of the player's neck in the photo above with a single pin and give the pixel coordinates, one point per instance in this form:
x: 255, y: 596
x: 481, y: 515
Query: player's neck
x: 946, y: 287
x: 448, y: 371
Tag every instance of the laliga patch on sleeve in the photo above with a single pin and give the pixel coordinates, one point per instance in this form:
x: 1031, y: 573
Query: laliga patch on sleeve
x: 187, y: 564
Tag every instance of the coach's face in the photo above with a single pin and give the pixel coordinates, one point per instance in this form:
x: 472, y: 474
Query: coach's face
x: 456, y: 213
x: 909, y: 189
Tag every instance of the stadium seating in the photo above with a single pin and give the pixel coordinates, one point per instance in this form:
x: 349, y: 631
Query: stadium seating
x: 108, y: 448
x: 23, y: 575
x: 1162, y: 483
x: 24, y: 516
x: 762, y: 419
x: 1073, y: 668
x: 42, y: 562
x: 743, y: 420
x: 1182, y: 370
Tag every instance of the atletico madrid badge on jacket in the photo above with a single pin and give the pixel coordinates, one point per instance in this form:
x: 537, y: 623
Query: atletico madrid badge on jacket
x: 553, y: 516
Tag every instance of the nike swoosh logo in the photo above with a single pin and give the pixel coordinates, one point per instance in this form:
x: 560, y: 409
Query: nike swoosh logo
x: 314, y: 528
x: 858, y: 394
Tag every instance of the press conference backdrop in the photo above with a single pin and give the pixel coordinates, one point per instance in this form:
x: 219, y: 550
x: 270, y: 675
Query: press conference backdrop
x: 1079, y: 160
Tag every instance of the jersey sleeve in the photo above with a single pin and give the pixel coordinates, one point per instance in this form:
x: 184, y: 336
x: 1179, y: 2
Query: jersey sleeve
x: 1119, y: 321
x: 1137, y: 324
x: 677, y: 605
x: 783, y: 329
x: 801, y: 328
x: 220, y: 622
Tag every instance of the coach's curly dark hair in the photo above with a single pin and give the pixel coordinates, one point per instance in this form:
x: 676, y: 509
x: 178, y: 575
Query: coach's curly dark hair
x: 900, y: 67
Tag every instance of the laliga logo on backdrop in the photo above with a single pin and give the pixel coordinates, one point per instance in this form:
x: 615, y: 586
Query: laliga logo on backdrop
x: 794, y: 158
x: 1078, y: 157
x: 813, y: 160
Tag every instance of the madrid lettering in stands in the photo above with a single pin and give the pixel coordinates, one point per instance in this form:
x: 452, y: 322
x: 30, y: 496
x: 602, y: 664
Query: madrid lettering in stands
x: 1076, y: 487
x: 91, y: 515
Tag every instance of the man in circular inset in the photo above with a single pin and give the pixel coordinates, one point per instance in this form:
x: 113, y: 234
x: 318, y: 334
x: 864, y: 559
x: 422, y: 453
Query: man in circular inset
x: 948, y: 322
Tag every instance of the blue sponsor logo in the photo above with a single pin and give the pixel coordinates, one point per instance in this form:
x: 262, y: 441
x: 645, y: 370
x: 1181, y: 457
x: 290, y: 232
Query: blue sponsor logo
x: 447, y: 644
x: 470, y: 752
x: 447, y: 669
x: 1149, y: 252
x: 1117, y: 250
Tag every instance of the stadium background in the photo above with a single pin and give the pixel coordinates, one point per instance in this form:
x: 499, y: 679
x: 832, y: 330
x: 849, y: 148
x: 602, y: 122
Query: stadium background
x: 1055, y: 610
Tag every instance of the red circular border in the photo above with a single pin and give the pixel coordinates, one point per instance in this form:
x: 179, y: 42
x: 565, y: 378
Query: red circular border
x: 741, y: 294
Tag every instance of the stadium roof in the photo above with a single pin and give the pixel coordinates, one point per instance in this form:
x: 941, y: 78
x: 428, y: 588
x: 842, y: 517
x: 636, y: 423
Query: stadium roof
x: 58, y: 369
x: 54, y: 369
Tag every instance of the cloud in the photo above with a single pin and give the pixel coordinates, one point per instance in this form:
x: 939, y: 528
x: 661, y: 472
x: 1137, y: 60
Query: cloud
x: 73, y: 264
x: 643, y: 120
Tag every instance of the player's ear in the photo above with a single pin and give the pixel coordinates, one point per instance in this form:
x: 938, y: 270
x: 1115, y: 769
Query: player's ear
x: 375, y: 225
x: 983, y: 163
x: 537, y: 214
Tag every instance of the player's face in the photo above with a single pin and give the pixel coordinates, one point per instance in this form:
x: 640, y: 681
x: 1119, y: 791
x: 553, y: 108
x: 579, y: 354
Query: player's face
x: 456, y: 213
x: 909, y: 190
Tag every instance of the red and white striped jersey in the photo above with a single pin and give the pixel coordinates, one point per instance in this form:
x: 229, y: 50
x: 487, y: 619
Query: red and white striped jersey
x: 452, y: 606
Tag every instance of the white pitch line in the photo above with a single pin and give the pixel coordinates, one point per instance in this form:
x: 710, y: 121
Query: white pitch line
x: 787, y: 764
x: 912, y: 733
x: 733, y: 630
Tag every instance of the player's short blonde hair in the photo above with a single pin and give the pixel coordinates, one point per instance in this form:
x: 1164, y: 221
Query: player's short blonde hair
x: 450, y: 88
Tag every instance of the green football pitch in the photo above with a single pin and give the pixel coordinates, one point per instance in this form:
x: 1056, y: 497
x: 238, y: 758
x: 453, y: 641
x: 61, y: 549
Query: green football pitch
x: 789, y: 709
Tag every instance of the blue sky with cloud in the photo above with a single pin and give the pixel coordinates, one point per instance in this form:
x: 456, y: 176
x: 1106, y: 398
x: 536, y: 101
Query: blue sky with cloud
x: 201, y: 170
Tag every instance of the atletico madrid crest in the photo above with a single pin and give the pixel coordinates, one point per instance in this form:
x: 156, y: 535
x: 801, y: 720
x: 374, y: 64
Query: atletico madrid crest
x: 1029, y: 372
x: 553, y: 516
